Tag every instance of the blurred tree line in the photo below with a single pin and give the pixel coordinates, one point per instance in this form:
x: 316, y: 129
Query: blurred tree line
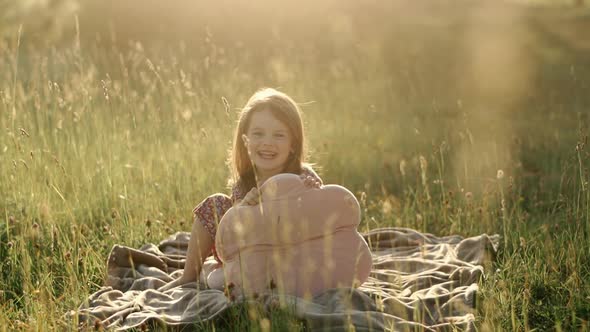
x: 153, y: 20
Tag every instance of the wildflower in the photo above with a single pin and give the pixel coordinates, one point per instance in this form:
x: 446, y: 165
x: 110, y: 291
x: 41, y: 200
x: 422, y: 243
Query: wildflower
x: 468, y: 195
x: 11, y: 220
x: 500, y: 174
x: 10, y: 245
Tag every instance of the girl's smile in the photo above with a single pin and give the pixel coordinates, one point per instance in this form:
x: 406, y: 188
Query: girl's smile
x: 269, y: 144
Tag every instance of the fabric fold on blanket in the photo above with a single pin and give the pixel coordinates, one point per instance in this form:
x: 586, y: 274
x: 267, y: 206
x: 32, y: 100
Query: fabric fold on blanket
x: 419, y: 282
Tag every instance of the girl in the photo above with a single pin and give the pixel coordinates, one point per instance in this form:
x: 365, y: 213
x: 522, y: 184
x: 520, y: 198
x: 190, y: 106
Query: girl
x: 267, y: 141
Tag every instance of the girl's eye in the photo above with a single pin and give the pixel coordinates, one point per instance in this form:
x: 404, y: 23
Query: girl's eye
x: 257, y: 134
x: 280, y: 135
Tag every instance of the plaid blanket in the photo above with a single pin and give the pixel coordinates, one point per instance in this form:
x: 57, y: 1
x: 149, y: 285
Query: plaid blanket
x: 418, y: 282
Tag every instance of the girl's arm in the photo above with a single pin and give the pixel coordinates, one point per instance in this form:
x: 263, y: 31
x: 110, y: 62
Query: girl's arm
x: 207, y: 215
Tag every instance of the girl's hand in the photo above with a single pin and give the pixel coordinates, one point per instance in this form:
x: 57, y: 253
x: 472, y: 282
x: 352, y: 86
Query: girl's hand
x: 251, y: 198
x: 173, y: 284
x: 310, y: 182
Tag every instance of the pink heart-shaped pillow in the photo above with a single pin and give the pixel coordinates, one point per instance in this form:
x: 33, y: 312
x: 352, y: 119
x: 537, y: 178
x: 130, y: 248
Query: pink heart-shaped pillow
x: 300, y: 240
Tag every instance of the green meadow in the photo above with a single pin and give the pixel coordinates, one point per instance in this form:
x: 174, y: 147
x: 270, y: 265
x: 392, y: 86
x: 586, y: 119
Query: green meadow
x: 463, y: 117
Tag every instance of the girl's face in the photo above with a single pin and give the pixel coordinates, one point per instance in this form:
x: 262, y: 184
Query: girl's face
x: 268, y: 143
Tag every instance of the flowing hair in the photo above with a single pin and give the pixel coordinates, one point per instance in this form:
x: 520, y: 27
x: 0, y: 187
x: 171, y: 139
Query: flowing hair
x: 285, y: 110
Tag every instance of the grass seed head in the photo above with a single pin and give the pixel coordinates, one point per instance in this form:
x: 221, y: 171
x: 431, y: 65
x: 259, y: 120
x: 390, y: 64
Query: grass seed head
x: 24, y: 132
x: 402, y: 167
x: 522, y: 242
x: 226, y: 105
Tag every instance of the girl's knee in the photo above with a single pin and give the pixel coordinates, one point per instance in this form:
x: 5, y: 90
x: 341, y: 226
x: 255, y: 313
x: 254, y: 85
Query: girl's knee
x: 216, y: 279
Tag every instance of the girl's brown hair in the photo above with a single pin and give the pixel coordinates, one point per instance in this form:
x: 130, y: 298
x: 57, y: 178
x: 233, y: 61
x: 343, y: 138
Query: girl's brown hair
x: 286, y: 111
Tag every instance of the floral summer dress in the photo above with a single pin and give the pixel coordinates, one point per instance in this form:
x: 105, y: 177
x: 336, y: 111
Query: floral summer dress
x: 210, y: 211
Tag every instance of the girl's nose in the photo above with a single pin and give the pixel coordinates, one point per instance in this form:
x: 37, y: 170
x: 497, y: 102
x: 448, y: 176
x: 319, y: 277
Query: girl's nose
x: 267, y: 140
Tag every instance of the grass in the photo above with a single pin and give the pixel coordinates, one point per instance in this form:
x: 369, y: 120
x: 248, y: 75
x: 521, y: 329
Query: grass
x: 98, y: 136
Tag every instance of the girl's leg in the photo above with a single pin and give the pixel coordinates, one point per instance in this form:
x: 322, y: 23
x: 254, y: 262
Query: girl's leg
x: 216, y: 279
x: 209, y: 265
x: 207, y: 215
x: 199, y: 246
